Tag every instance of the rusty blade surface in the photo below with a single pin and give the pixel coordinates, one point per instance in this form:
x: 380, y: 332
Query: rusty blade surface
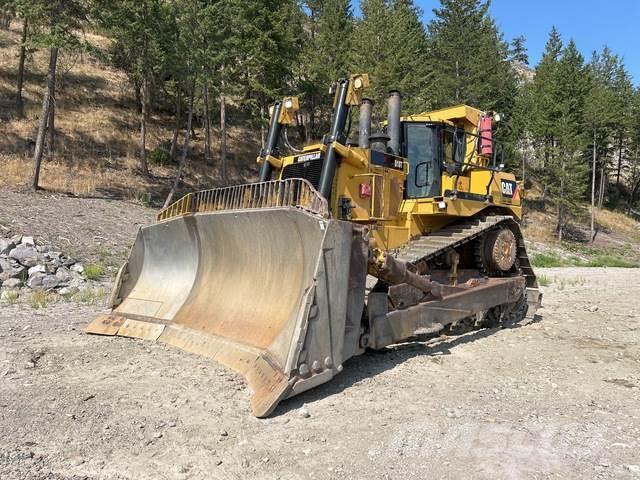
x: 238, y: 287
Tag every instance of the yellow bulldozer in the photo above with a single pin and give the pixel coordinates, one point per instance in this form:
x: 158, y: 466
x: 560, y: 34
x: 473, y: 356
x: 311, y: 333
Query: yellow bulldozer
x: 343, y: 246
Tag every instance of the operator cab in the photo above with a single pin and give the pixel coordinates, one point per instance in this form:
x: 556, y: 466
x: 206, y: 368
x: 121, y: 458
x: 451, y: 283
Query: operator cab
x: 430, y: 148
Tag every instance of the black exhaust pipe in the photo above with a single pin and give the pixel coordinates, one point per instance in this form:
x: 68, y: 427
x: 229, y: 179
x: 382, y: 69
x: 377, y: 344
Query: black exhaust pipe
x: 364, y: 125
x: 393, y: 122
x: 271, y: 146
x: 338, y: 123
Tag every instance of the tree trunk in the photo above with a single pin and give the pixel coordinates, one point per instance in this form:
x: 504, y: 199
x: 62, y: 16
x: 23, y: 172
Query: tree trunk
x: 176, y: 130
x: 51, y: 126
x: 632, y: 190
x: 23, y: 55
x: 619, y: 161
x: 603, y: 183
x: 561, y: 204
x: 143, y: 128
x: 223, y: 136
x: 207, y: 125
x: 44, y: 117
x: 185, y: 150
x: 145, y: 95
x: 262, y: 129
x: 593, y: 186
x: 136, y: 91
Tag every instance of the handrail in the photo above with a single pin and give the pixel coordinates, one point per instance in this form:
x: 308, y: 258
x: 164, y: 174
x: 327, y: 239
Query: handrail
x: 292, y: 192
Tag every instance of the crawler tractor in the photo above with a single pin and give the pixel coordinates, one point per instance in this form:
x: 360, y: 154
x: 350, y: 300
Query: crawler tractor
x: 344, y: 246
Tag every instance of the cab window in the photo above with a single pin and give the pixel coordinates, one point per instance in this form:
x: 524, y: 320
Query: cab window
x: 425, y: 164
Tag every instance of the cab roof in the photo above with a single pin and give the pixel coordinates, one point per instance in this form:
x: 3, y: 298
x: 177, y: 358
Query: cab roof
x: 451, y: 115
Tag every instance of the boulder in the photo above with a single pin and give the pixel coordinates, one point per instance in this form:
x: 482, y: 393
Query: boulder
x: 37, y: 268
x: 77, y: 267
x: 6, y: 246
x: 12, y: 283
x: 5, y: 265
x: 19, y: 271
x: 35, y: 280
x: 29, y: 241
x: 63, y: 274
x: 67, y: 262
x: 50, y: 281
x: 26, y: 255
x: 12, y: 271
x: 68, y: 291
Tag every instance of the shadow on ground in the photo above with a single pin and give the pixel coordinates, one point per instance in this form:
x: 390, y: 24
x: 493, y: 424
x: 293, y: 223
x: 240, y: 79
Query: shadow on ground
x: 373, y: 363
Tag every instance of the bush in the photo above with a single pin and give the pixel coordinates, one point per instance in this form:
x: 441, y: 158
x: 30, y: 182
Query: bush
x: 159, y: 156
x: 12, y: 296
x: 547, y: 260
x: 90, y: 296
x: 38, y: 299
x: 93, y: 271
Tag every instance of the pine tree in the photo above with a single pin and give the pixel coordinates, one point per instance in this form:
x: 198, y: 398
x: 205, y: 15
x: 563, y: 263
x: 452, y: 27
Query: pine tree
x: 518, y: 51
x: 543, y: 112
x: 138, y: 29
x: 390, y: 44
x: 468, y: 58
x: 568, y: 167
x: 270, y: 48
x: 327, y: 57
x: 634, y: 147
x: 58, y: 24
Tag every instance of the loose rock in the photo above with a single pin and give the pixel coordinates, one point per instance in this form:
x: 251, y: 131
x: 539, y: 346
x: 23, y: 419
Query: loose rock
x: 26, y: 255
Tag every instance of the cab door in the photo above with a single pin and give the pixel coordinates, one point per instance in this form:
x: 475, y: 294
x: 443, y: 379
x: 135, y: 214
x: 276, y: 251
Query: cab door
x: 424, y: 155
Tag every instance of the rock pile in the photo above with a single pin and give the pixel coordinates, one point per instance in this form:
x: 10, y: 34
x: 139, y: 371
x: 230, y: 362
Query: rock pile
x: 24, y: 264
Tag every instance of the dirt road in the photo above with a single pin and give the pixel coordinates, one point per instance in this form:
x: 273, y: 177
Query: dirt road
x: 556, y: 399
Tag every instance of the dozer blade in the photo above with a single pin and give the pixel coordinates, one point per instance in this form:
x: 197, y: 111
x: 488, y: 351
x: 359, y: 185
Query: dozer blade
x: 275, y: 294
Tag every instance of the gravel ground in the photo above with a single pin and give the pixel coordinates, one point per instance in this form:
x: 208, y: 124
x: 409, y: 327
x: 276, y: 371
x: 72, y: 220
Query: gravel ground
x: 556, y: 399
x: 87, y: 228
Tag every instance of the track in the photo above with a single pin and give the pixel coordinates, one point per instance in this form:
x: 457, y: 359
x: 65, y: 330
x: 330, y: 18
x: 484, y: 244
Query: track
x: 427, y: 248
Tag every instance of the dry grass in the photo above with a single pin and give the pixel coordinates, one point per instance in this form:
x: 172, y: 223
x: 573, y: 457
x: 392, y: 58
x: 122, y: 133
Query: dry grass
x: 539, y: 227
x: 97, y: 131
x: 618, y: 222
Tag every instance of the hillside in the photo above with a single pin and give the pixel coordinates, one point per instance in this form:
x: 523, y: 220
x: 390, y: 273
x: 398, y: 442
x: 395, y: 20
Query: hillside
x: 96, y: 150
x: 97, y: 131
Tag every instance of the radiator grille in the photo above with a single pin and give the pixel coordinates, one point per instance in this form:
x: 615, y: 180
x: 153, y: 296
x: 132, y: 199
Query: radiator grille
x: 309, y: 170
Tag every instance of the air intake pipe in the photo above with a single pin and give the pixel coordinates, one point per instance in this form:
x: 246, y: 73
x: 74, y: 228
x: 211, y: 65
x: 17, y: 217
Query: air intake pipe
x: 272, y: 143
x: 364, y: 125
x: 393, y: 122
x: 338, y: 122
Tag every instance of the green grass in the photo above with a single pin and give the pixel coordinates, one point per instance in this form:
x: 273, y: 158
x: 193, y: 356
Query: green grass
x: 89, y: 296
x: 546, y: 260
x: 93, y: 271
x: 543, y: 280
x: 38, y: 299
x: 610, y: 261
x: 550, y: 259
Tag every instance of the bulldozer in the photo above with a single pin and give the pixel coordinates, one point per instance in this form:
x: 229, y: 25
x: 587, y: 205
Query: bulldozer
x: 409, y: 231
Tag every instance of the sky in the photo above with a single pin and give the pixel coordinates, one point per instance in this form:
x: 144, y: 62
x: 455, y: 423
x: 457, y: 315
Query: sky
x: 592, y: 24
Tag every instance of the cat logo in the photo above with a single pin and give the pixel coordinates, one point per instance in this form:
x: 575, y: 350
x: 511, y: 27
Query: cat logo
x: 508, y: 188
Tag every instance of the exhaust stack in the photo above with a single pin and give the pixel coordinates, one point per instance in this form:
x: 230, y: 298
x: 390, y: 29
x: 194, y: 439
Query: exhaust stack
x: 364, y: 126
x: 393, y: 122
x: 272, y: 143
